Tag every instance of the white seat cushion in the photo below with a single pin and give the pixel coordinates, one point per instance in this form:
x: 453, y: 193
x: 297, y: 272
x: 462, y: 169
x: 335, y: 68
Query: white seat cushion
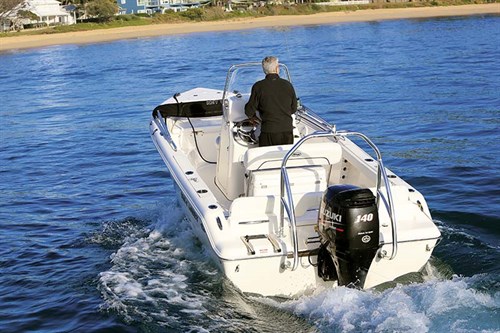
x: 310, y: 153
x: 302, y: 180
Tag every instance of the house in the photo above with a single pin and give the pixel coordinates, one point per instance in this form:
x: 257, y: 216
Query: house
x: 157, y: 6
x: 47, y: 12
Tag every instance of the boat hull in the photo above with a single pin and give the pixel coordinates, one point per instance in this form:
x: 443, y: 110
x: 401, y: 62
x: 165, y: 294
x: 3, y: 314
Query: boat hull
x: 264, y: 239
x: 271, y: 275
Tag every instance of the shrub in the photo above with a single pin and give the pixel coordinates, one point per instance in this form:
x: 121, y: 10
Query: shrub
x: 104, y: 10
x: 126, y: 17
x: 168, y: 17
x: 214, y: 13
x: 193, y: 14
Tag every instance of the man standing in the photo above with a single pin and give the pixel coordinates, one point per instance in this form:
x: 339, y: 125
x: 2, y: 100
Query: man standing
x: 276, y: 101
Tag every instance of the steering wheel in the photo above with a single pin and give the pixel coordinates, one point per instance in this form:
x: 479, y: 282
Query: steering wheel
x: 244, y: 131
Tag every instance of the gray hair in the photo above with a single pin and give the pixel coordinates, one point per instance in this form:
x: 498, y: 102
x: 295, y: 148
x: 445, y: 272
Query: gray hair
x: 270, y: 65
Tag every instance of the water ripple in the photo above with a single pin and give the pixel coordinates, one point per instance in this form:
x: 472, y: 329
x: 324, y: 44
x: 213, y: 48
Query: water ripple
x: 92, y: 239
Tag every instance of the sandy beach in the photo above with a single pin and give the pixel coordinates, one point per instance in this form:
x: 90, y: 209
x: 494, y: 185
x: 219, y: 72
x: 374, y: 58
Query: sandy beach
x: 99, y: 36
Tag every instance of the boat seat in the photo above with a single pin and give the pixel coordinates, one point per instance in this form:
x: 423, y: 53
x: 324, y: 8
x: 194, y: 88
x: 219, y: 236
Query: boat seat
x: 308, y: 169
x: 262, y: 208
x: 263, y: 217
x: 302, y: 180
x: 309, y: 154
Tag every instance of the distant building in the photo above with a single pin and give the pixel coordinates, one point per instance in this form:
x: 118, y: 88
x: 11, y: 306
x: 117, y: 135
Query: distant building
x: 50, y: 12
x: 157, y: 6
x: 46, y: 13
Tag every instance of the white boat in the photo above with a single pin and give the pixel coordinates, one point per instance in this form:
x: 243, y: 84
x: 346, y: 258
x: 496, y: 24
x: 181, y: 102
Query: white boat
x: 286, y: 220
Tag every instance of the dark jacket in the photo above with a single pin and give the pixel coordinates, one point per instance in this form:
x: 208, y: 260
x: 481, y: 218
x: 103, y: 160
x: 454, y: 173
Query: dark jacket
x: 275, y: 99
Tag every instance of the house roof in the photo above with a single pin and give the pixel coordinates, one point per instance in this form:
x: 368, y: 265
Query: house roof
x: 46, y: 8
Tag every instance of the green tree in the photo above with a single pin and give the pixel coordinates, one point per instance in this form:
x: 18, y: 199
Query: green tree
x: 104, y: 10
x: 26, y: 14
x: 6, y: 6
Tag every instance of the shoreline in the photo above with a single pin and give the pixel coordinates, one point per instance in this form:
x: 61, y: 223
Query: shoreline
x: 155, y: 30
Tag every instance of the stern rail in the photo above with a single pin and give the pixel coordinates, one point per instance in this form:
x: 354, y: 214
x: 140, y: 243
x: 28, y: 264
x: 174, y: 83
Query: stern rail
x: 286, y: 198
x: 163, y: 129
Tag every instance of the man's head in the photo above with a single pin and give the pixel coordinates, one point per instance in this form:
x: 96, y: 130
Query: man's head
x: 270, y: 65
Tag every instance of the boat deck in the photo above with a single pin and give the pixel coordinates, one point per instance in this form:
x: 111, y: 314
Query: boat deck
x: 207, y: 173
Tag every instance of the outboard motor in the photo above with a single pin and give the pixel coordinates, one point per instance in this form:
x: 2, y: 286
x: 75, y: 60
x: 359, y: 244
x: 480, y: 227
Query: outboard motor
x: 348, y: 226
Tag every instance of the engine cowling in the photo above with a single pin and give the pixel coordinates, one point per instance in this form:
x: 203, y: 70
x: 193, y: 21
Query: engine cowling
x: 348, y: 226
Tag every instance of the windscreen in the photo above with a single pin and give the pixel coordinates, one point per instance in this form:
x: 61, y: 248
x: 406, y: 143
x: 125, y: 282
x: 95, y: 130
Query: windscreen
x: 242, y: 77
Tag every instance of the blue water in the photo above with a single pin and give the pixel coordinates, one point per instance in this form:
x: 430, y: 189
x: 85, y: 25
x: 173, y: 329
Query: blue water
x: 91, y: 238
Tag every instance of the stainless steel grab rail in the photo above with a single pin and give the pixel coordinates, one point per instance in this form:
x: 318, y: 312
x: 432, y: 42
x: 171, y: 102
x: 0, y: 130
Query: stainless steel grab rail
x: 313, y: 119
x: 288, y: 205
x: 164, y: 130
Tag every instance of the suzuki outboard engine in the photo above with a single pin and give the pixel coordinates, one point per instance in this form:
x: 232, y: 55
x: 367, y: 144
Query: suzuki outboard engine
x: 348, y: 226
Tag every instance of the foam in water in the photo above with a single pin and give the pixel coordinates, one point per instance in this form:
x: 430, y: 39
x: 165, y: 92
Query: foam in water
x: 162, y: 276
x: 149, y: 273
x: 433, y: 306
